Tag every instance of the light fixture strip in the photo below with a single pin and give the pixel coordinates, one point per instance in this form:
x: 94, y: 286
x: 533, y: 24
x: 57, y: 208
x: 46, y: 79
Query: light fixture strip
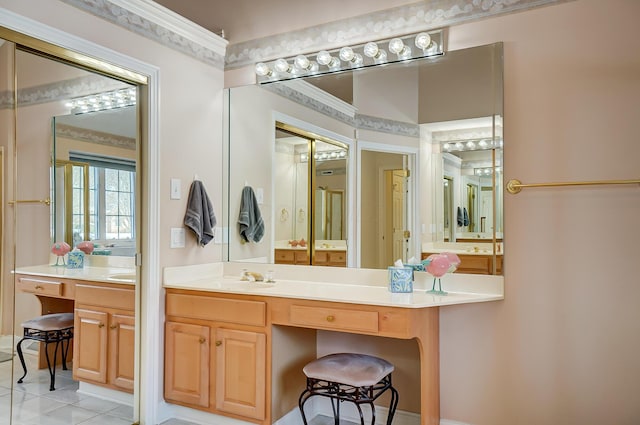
x: 103, y: 101
x: 398, y: 49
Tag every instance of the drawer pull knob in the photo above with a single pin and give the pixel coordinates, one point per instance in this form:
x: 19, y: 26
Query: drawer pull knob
x: 202, y: 340
x: 113, y: 327
x: 38, y: 287
x: 218, y: 343
x: 101, y: 325
x: 330, y: 318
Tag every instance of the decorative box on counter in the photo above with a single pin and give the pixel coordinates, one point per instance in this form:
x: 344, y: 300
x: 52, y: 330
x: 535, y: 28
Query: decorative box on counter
x: 400, y: 279
x: 75, y: 260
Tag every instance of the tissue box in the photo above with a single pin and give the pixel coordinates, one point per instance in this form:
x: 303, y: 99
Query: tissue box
x: 75, y: 260
x: 400, y: 279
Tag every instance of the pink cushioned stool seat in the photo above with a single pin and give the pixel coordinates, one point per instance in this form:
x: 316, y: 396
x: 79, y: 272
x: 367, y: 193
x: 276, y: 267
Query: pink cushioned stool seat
x: 357, y: 378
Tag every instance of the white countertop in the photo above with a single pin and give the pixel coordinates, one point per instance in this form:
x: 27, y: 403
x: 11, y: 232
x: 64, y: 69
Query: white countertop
x: 125, y: 276
x: 338, y: 285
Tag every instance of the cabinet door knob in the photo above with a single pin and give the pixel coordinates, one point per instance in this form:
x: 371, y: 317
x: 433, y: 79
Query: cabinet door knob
x: 101, y: 325
x: 38, y: 287
x: 202, y: 340
x: 330, y: 318
x: 218, y: 343
x: 113, y: 327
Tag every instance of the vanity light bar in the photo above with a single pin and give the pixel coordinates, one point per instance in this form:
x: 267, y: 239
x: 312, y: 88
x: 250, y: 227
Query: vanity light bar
x: 103, y: 101
x: 486, y: 171
x: 471, y: 145
x: 325, y: 155
x: 398, y: 49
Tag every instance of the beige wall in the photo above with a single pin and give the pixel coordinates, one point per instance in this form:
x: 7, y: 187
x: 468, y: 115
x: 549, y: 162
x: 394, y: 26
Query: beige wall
x: 562, y: 348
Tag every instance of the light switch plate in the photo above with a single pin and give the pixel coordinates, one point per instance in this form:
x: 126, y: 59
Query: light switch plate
x: 175, y: 189
x: 177, y: 237
x: 260, y: 195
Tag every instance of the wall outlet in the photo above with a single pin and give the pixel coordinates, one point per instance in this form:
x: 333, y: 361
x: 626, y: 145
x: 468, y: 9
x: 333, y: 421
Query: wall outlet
x: 260, y: 195
x: 221, y: 235
x: 177, y: 237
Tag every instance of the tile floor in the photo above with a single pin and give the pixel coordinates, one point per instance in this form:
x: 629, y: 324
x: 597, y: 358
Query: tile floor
x: 33, y: 404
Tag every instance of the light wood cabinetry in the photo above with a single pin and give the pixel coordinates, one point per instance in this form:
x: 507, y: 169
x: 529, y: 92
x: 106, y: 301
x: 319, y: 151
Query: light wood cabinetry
x: 186, y: 363
x: 291, y: 256
x: 330, y: 258
x: 476, y: 264
x: 104, y: 335
x: 216, y: 354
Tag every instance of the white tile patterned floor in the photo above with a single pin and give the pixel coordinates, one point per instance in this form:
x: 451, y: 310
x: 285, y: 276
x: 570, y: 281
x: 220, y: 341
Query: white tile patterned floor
x: 31, y: 403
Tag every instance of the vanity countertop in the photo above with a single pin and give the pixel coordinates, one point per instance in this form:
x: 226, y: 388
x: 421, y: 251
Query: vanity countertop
x: 120, y: 275
x: 288, y: 286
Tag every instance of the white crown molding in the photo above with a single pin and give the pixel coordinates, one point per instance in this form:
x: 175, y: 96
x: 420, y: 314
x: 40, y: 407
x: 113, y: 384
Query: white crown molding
x: 159, y: 24
x: 322, y: 96
x: 178, y: 24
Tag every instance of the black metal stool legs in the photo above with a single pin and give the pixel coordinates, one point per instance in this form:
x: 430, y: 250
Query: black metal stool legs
x: 355, y: 395
x: 58, y: 336
x: 21, y: 356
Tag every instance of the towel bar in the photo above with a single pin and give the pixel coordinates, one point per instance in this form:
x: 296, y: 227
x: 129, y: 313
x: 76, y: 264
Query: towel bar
x: 515, y: 186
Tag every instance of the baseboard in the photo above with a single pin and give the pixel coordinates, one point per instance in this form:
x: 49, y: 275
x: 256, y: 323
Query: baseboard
x: 450, y: 422
x: 105, y: 393
x: 203, y: 418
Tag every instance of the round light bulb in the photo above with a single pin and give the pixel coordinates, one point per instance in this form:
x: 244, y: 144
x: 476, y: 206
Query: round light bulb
x: 471, y: 145
x: 396, y: 46
x: 282, y: 65
x: 459, y: 146
x: 262, y: 69
x: 423, y: 40
x: 324, y: 57
x: 301, y: 62
x: 371, y: 49
x: 483, y: 144
x: 346, y: 54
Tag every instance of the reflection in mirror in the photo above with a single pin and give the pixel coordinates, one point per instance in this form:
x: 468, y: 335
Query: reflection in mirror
x: 95, y: 172
x: 311, y: 176
x: 443, y: 115
x: 63, y: 161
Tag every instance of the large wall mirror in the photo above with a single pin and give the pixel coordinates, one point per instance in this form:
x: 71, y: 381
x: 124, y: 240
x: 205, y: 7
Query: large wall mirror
x: 69, y: 163
x: 426, y: 140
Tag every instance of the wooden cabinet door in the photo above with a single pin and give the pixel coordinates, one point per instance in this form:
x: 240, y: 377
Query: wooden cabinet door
x: 186, y: 363
x: 121, y: 351
x: 90, y: 345
x: 240, y: 372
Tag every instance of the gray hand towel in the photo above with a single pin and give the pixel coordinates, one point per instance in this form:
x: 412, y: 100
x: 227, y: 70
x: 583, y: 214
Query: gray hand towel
x: 200, y: 217
x: 250, y: 220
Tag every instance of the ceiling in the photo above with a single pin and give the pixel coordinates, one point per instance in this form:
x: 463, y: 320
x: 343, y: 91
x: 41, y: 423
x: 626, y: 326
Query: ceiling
x: 244, y: 20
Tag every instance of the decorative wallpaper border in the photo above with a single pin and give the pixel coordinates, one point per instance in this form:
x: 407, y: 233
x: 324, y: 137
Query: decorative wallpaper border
x: 419, y: 16
x: 60, y: 91
x: 360, y: 121
x: 92, y: 136
x: 154, y: 27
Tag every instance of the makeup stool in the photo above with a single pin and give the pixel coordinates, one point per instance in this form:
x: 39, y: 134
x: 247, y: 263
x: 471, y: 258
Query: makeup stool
x: 357, y: 378
x: 50, y: 328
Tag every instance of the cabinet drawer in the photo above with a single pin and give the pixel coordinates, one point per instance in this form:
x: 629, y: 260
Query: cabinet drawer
x: 105, y: 297
x: 334, y: 318
x: 301, y: 257
x: 40, y: 286
x: 217, y: 309
x: 475, y: 264
x: 285, y: 256
x: 320, y: 257
x: 338, y: 258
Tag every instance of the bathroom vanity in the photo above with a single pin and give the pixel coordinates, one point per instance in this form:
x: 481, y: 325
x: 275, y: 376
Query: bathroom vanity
x: 103, y: 302
x: 236, y: 348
